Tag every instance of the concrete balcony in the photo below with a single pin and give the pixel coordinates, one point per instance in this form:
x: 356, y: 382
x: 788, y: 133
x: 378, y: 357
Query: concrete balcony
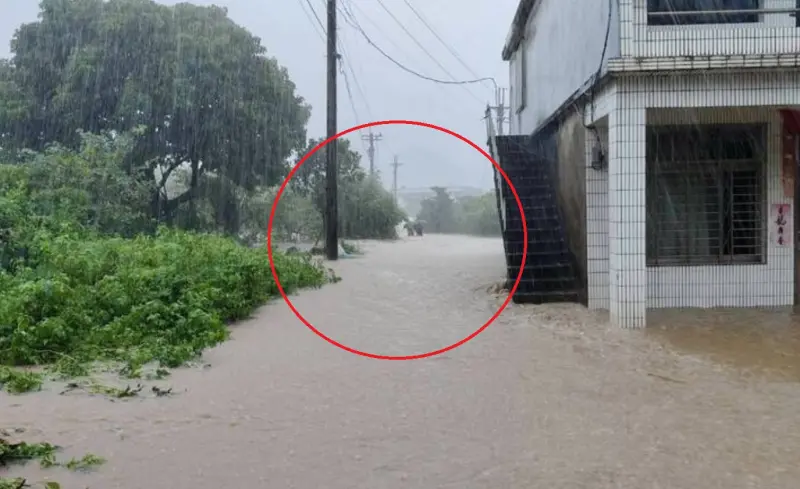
x: 682, y: 28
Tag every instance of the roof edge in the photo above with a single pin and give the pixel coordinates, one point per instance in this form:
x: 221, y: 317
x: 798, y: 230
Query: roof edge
x: 515, y: 35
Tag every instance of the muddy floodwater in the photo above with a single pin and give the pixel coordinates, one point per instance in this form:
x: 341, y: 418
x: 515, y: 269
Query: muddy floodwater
x: 547, y: 397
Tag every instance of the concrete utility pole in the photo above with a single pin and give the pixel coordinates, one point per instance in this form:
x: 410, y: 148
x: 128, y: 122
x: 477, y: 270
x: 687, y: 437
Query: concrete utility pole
x: 331, y: 166
x: 500, y: 100
x: 372, y: 138
x: 395, y: 164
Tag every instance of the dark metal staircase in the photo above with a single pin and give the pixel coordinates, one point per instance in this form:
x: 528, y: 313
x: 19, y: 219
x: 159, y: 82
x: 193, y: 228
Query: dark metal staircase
x: 550, y: 274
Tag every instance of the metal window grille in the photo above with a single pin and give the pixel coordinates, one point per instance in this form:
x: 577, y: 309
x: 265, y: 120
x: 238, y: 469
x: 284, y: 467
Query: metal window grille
x: 684, y: 12
x: 705, y: 195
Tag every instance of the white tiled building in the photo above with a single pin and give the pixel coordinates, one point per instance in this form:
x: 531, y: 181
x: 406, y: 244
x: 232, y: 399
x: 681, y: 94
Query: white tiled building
x: 686, y: 117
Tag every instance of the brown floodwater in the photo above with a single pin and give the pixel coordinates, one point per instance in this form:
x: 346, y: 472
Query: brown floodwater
x: 764, y: 343
x: 548, y: 396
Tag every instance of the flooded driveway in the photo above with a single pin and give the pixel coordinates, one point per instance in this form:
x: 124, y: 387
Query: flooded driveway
x: 547, y: 397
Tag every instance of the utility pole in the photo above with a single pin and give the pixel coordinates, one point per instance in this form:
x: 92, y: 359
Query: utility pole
x: 331, y: 166
x: 500, y: 100
x: 372, y: 138
x: 395, y: 164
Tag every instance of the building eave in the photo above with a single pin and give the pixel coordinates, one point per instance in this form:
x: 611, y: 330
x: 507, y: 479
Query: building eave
x: 517, y: 30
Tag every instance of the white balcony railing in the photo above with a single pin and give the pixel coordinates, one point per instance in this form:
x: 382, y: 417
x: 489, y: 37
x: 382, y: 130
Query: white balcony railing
x: 662, y: 28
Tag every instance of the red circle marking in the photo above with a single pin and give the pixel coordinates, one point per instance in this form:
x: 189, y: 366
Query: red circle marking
x: 396, y: 357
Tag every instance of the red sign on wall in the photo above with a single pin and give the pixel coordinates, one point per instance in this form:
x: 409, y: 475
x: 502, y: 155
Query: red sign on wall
x: 789, y: 156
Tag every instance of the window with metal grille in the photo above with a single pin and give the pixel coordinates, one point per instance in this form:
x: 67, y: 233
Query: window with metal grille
x: 668, y: 12
x: 705, y: 194
x: 796, y: 13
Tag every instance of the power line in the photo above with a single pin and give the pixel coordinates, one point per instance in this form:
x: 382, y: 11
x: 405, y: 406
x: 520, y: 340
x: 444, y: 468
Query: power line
x: 400, y: 65
x: 321, y: 34
x: 347, y: 64
x: 349, y: 17
x: 424, y: 50
x: 341, y: 59
x: 444, y: 43
x: 416, y: 41
x: 316, y: 16
x: 350, y: 98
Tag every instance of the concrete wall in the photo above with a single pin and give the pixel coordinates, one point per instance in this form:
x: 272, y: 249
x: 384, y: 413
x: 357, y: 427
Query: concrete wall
x: 633, y: 102
x: 571, y: 192
x: 769, y: 284
x: 776, y: 33
x: 562, y: 49
x: 597, y: 227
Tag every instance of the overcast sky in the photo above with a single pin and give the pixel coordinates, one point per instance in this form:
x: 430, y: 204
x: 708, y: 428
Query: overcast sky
x: 474, y: 29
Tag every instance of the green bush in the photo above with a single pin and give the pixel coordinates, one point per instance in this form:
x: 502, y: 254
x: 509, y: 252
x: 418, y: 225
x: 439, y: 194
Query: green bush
x: 84, y: 278
x: 163, y: 298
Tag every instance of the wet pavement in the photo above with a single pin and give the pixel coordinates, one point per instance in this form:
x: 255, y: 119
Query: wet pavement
x: 547, y: 397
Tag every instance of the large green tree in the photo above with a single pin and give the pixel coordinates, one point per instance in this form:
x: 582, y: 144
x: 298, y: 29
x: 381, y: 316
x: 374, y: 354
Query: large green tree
x: 439, y: 212
x: 366, y: 209
x: 472, y: 215
x: 202, y: 89
x: 310, y: 176
x: 478, y: 215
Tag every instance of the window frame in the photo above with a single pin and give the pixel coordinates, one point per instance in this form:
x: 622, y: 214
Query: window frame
x: 797, y: 14
x: 660, y: 6
x: 723, y: 168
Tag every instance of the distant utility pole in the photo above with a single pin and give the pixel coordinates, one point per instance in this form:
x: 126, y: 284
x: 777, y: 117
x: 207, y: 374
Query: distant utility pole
x: 372, y: 138
x: 331, y: 170
x: 500, y: 108
x: 395, y: 165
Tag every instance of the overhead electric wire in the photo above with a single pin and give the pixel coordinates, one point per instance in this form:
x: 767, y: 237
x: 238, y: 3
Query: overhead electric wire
x: 339, y: 41
x: 358, y: 87
x: 321, y: 34
x: 424, y: 49
x: 347, y: 62
x: 416, y: 41
x: 350, y: 18
x: 342, y: 66
x: 447, y: 46
x: 403, y: 67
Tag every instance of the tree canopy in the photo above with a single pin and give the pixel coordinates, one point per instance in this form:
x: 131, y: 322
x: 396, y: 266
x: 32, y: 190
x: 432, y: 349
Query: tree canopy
x: 438, y: 212
x: 473, y: 215
x: 200, y: 88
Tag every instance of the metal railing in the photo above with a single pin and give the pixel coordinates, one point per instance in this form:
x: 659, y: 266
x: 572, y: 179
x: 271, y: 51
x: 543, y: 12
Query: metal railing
x: 699, y: 16
x: 744, y: 11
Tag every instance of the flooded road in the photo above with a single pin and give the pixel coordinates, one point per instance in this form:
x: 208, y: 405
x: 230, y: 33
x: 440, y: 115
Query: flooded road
x: 547, y: 397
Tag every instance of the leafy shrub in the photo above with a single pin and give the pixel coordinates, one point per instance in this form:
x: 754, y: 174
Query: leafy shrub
x: 83, y: 277
x: 163, y: 298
